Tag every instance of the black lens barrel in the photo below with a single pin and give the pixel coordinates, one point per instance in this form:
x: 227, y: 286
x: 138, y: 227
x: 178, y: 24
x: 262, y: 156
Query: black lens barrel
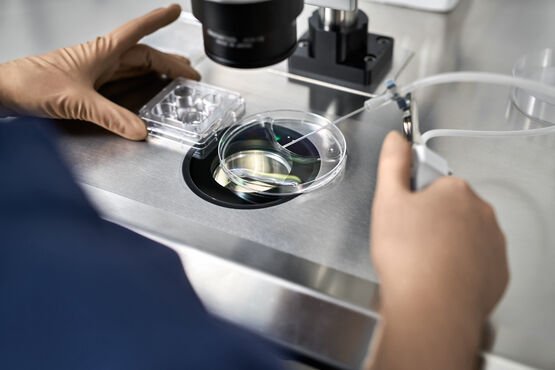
x: 248, y: 34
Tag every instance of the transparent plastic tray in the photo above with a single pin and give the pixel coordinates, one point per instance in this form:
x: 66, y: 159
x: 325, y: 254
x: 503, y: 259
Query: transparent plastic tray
x: 191, y: 113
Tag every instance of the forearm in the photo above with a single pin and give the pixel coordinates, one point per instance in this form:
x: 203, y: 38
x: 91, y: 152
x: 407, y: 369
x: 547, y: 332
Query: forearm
x: 427, y: 337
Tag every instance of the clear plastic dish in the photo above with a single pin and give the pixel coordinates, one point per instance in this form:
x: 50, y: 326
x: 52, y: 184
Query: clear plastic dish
x: 191, y: 113
x: 539, y: 66
x: 252, y: 155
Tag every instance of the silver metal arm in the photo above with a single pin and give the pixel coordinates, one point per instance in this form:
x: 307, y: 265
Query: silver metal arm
x: 347, y: 5
x: 336, y: 13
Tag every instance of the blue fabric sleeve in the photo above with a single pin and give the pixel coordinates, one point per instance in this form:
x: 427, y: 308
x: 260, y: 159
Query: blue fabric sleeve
x: 77, y: 292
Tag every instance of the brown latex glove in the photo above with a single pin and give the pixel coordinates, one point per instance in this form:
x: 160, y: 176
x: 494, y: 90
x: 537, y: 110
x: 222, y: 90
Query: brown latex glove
x: 442, y: 263
x: 62, y: 84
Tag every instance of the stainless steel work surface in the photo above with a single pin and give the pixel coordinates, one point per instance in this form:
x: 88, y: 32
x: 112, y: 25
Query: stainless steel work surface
x: 312, y: 252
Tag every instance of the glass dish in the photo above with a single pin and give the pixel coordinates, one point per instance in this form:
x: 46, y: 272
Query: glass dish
x: 539, y: 66
x: 252, y: 155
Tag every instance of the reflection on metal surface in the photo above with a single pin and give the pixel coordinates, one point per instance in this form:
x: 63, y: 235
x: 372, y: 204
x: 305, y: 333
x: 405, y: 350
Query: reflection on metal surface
x: 315, y: 311
x: 307, y: 322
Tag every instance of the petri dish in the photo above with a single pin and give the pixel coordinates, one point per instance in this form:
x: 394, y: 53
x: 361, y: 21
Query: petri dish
x: 538, y: 66
x: 252, y: 155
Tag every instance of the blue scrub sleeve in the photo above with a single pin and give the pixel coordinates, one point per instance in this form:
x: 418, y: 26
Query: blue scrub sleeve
x: 77, y: 292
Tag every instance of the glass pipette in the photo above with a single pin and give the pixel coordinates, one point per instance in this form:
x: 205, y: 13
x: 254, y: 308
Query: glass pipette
x: 330, y: 124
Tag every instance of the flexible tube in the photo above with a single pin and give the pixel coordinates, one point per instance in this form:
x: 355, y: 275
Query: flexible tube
x: 480, y: 77
x: 483, y: 77
x: 427, y: 136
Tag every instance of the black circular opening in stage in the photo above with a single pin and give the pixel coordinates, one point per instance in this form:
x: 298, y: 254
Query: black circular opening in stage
x: 198, y: 175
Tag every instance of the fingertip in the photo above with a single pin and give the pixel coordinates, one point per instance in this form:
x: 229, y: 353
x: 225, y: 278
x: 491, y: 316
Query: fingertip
x: 394, y: 146
x: 131, y: 32
x: 195, y: 75
x: 394, y: 134
x: 393, y: 142
x: 174, y: 9
x: 394, y: 164
x: 138, y: 132
x: 132, y: 127
x: 189, y: 74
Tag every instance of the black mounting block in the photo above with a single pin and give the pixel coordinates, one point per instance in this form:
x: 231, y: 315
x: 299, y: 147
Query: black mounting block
x: 347, y: 56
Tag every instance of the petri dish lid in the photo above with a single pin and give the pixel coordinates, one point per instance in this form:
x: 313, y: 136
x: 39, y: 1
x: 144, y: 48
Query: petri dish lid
x: 252, y: 153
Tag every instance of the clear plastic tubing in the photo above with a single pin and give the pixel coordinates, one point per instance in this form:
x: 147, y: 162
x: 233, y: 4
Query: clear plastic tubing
x: 479, y: 77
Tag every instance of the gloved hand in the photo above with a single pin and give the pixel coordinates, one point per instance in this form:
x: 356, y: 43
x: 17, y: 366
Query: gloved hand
x: 442, y: 263
x: 62, y: 84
